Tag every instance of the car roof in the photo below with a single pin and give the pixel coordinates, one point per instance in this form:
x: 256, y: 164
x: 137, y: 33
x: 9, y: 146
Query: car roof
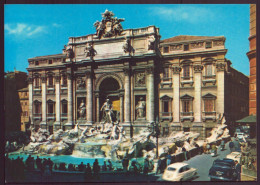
x: 226, y: 160
x: 178, y: 165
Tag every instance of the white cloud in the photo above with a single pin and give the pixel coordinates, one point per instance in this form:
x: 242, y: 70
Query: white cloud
x: 56, y: 25
x: 188, y: 13
x: 21, y: 29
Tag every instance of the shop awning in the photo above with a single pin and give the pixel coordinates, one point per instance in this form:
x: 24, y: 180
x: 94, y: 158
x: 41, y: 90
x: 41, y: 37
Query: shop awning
x: 248, y: 119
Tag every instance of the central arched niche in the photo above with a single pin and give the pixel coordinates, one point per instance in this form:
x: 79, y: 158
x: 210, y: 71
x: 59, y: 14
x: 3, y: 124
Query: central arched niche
x: 109, y: 88
x: 109, y: 85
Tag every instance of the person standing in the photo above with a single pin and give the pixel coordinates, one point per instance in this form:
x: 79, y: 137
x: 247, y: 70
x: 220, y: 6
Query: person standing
x: 96, y: 169
x: 110, y: 167
x: 88, y: 173
x: 185, y: 153
x: 159, y: 166
x: 146, y: 166
x: 231, y: 146
x: 238, y: 169
x: 169, y: 158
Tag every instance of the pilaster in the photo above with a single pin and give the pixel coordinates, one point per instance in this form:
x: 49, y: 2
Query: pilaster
x: 127, y: 107
x: 57, y: 97
x: 220, y: 88
x: 197, y: 92
x: 89, y: 101
x: 43, y: 122
x: 70, y: 100
x: 176, y: 93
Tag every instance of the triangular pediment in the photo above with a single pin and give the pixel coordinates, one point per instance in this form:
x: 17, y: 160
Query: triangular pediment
x: 186, y: 97
x: 209, y: 96
x: 165, y: 97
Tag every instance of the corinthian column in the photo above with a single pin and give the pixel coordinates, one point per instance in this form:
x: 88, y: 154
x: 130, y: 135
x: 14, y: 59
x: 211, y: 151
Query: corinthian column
x: 150, y: 93
x: 70, y: 101
x: 97, y: 107
x: 121, y: 107
x: 221, y: 87
x: 127, y: 107
x: 57, y: 95
x: 176, y: 93
x: 197, y: 92
x: 30, y: 88
x: 89, y: 97
x: 43, y: 122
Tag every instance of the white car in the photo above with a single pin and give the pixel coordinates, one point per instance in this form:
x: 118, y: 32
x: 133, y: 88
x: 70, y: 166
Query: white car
x: 236, y: 156
x: 179, y: 172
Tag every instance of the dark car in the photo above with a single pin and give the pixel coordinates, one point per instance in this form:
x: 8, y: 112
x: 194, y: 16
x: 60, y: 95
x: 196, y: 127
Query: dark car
x: 223, y: 170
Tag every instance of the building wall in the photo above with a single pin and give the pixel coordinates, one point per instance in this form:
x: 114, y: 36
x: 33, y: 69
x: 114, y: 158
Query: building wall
x: 24, y: 102
x: 229, y: 86
x: 13, y: 81
x: 253, y: 63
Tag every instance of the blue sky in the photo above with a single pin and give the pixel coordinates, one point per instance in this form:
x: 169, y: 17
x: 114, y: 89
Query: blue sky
x: 37, y: 30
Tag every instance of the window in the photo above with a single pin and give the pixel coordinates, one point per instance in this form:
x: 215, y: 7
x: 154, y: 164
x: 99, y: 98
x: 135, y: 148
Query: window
x: 186, y: 72
x: 166, y: 49
x: 50, y: 81
x: 64, y: 107
x: 208, y: 70
x: 36, y: 63
x: 64, y: 80
x: 209, y: 105
x: 186, y: 47
x: 50, y: 61
x: 37, y: 82
x: 25, y: 103
x: 166, y: 73
x: 165, y: 106
x: 50, y: 107
x: 64, y: 60
x: 208, y: 45
x: 186, y: 106
x: 37, y: 107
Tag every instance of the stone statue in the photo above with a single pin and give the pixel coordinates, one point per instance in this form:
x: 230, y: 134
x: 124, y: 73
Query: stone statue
x: 90, y: 51
x: 82, y: 110
x: 81, y: 84
x: 151, y: 43
x: 115, y: 131
x: 140, y: 108
x: 107, y: 109
x: 127, y: 46
x: 69, y: 52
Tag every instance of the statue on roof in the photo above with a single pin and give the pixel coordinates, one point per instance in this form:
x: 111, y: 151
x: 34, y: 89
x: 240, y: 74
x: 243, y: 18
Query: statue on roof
x: 109, y: 25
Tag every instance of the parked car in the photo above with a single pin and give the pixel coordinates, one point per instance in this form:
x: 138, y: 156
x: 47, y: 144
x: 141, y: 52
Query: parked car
x: 179, y: 172
x: 236, y: 156
x: 223, y: 170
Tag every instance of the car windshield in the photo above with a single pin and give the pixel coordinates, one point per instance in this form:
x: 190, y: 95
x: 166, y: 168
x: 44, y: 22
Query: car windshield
x: 171, y: 169
x: 222, y: 164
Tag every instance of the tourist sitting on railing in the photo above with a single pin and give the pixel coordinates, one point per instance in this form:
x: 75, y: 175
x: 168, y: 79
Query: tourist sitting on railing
x: 81, y: 167
x: 133, y: 168
x: 71, y: 167
x: 104, y: 166
x: 88, y: 173
x: 50, y: 163
x: 109, y: 166
x: 62, y: 167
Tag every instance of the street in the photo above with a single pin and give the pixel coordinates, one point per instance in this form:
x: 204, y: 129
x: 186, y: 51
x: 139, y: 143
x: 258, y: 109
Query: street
x: 203, y: 163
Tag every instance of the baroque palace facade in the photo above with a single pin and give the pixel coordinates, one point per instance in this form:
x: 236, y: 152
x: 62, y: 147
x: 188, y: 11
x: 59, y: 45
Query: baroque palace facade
x: 181, y: 82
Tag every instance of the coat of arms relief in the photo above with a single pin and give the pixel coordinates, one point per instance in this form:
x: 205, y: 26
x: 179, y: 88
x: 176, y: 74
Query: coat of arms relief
x: 109, y: 26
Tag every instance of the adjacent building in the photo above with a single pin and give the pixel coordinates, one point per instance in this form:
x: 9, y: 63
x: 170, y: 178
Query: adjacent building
x: 24, y: 102
x: 183, y: 82
x: 13, y: 81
